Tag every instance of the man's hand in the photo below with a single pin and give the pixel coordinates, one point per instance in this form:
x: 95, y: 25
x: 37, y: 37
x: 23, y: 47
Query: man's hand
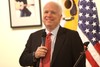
x: 41, y: 52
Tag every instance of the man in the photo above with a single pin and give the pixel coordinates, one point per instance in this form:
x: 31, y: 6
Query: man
x: 66, y: 44
x: 22, y: 6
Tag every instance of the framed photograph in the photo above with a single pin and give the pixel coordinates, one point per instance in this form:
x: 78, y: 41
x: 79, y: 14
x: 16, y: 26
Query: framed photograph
x: 25, y: 13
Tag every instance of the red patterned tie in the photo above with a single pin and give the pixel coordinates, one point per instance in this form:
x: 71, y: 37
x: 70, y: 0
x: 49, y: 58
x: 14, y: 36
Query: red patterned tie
x: 45, y: 62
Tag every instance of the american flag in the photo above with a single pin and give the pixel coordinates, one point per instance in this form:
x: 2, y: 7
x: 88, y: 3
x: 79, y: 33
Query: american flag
x: 90, y: 27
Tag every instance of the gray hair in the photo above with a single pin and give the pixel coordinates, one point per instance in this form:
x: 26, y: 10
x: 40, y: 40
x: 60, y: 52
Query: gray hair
x: 58, y: 6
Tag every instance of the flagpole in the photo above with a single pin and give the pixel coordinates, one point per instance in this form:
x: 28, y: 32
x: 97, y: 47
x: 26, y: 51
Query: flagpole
x: 81, y: 54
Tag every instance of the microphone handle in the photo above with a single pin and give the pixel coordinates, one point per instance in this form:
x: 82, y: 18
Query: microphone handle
x: 43, y: 41
x: 81, y: 55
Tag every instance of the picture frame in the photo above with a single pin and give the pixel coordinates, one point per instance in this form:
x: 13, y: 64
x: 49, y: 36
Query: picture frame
x: 25, y: 13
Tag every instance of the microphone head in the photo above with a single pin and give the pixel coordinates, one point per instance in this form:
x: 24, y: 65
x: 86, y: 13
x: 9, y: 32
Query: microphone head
x: 44, y: 34
x: 43, y: 37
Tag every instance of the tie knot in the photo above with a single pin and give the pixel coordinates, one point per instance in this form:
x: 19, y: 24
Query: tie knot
x: 49, y: 34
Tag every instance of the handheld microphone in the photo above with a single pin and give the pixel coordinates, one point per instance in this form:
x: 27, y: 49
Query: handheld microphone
x: 43, y: 37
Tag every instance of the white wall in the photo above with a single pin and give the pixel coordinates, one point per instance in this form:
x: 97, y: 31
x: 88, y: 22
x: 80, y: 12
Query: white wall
x: 12, y: 41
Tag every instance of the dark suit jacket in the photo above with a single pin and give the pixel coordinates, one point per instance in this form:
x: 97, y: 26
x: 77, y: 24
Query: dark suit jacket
x: 68, y: 47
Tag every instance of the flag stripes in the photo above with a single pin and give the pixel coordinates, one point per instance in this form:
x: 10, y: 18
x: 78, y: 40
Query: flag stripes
x: 97, y: 47
x: 91, y: 59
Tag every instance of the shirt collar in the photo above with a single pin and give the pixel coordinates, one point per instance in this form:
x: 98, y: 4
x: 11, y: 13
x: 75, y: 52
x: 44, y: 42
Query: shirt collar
x: 54, y: 32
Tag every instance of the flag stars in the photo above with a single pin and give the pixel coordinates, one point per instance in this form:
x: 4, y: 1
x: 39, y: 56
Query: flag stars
x: 87, y: 22
x: 80, y: 14
x: 93, y: 39
x: 94, y: 8
x: 87, y: 30
x: 99, y: 41
x: 87, y: 15
x: 99, y: 24
x: 81, y: 0
x: 80, y: 22
x: 94, y: 31
x: 87, y: 8
x: 87, y: 0
x: 94, y: 16
x: 93, y: 1
x: 99, y: 32
x: 94, y: 24
x: 80, y: 7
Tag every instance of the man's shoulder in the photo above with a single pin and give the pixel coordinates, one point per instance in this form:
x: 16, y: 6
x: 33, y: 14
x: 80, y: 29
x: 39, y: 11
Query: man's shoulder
x: 38, y: 32
x: 68, y: 30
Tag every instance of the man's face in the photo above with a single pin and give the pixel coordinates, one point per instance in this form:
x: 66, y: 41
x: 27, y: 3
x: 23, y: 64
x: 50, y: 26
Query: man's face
x: 51, y: 16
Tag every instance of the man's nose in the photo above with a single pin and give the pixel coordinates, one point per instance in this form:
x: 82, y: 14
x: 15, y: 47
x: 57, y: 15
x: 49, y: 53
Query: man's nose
x: 49, y: 14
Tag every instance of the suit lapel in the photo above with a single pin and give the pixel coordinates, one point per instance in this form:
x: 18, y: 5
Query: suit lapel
x: 58, y: 44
